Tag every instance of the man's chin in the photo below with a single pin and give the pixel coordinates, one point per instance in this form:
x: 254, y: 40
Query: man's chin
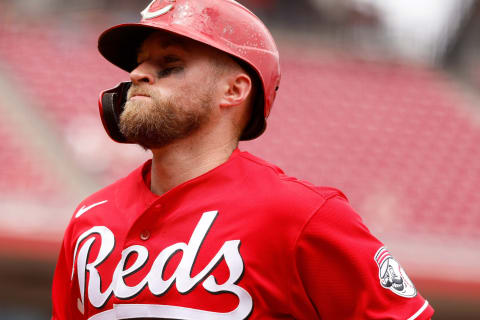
x: 150, y: 143
x: 152, y: 147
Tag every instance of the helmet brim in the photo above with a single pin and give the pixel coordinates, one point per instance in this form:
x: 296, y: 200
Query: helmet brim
x: 120, y: 44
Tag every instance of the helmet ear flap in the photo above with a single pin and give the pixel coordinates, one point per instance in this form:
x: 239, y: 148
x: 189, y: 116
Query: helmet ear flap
x: 111, y: 104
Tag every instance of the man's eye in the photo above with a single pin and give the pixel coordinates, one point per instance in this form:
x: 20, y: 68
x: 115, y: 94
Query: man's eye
x: 167, y: 71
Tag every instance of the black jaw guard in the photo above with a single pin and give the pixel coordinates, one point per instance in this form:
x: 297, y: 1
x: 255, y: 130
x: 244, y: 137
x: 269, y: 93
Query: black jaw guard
x: 111, y: 104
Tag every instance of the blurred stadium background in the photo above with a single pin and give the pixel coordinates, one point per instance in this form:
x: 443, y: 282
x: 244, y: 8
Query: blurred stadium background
x: 379, y: 98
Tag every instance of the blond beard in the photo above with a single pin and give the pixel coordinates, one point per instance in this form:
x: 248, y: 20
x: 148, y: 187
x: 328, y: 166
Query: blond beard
x: 157, y: 121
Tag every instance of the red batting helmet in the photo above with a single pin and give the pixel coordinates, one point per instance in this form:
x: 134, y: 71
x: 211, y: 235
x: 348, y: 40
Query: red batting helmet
x: 223, y: 24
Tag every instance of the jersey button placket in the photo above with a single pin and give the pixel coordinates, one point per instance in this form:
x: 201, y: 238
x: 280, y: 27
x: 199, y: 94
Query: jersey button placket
x: 146, y: 234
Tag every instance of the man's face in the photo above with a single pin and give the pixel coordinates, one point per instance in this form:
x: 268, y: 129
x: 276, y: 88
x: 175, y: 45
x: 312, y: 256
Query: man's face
x: 173, y: 91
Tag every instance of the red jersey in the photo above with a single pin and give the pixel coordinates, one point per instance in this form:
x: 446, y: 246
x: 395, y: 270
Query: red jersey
x: 242, y: 241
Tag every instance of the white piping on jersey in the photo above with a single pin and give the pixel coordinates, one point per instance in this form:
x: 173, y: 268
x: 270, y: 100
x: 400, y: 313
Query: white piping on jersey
x: 419, y: 312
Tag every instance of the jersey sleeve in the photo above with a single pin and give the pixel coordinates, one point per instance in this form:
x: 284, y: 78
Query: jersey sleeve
x: 62, y: 300
x: 348, y: 274
x: 59, y: 287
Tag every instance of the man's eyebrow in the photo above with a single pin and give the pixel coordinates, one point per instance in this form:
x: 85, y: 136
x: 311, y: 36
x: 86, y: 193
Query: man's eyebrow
x: 171, y: 58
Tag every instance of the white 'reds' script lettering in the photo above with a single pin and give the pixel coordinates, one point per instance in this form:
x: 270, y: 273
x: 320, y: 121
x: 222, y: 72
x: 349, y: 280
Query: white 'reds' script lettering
x: 154, y: 280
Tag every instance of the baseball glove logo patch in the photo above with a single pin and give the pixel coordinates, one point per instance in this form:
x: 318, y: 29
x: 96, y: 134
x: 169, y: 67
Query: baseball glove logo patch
x: 392, y: 276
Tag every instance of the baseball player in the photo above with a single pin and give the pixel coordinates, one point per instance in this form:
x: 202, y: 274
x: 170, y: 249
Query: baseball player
x: 203, y: 230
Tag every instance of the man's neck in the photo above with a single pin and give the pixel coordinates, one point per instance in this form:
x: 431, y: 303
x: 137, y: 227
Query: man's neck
x: 181, y: 162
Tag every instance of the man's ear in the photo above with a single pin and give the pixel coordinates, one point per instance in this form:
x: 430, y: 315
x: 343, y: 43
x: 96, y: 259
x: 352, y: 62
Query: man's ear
x: 237, y: 90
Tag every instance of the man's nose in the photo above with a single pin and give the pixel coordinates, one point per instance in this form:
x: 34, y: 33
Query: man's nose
x: 142, y: 74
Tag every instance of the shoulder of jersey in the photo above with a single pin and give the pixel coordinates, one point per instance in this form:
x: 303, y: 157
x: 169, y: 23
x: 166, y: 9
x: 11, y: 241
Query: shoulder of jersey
x: 103, y: 196
x: 293, y: 184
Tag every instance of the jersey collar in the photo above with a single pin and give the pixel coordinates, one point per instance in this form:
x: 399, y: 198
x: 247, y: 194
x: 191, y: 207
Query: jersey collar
x: 134, y: 189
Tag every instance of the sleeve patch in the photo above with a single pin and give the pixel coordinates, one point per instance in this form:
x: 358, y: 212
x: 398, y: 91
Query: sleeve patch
x: 392, y: 276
